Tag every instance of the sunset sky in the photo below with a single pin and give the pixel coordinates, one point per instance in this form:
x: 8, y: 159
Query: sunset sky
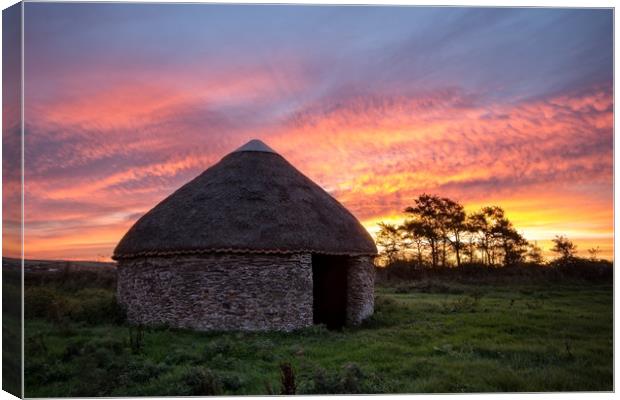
x: 509, y: 107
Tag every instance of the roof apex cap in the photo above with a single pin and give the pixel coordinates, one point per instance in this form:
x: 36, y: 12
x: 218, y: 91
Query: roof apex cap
x: 255, y: 145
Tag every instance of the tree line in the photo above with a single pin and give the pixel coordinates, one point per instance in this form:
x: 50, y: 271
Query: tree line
x: 437, y: 232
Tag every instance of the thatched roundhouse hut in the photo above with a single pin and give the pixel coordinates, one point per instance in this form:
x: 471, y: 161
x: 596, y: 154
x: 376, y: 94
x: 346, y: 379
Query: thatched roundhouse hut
x: 250, y: 244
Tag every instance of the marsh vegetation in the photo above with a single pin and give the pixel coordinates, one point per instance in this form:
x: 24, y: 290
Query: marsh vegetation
x: 429, y: 334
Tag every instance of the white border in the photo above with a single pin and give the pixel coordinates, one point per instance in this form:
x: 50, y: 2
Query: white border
x: 478, y: 3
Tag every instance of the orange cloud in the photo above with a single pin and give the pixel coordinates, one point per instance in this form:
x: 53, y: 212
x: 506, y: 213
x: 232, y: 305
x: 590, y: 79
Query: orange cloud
x: 548, y: 162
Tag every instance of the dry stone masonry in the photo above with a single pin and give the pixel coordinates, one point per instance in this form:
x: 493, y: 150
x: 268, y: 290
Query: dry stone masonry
x: 360, y: 290
x: 220, y: 291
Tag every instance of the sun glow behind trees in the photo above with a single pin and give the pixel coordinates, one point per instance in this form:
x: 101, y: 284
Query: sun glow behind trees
x: 440, y: 233
x: 437, y: 232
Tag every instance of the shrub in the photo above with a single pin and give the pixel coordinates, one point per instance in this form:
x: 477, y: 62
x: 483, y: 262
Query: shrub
x: 232, y: 381
x: 400, y: 270
x: 94, y: 381
x: 11, y: 295
x: 141, y: 372
x: 36, y: 344
x: 41, y: 302
x: 72, y: 280
x: 92, y: 306
x: 72, y: 350
x: 350, y: 379
x: 582, y: 269
x: 401, y: 273
x: 201, y: 381
x: 97, y: 366
x: 96, y: 306
x: 96, y: 349
x: 46, y: 372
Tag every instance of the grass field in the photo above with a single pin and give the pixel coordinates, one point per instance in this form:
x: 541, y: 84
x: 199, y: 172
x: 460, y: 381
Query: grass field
x: 425, y: 337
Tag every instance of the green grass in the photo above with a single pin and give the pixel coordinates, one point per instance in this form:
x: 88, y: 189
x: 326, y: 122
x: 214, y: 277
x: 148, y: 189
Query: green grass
x: 425, y: 338
x: 11, y: 331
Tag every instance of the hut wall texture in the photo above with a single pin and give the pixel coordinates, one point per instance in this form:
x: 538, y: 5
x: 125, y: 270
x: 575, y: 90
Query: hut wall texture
x: 360, y: 291
x: 220, y: 291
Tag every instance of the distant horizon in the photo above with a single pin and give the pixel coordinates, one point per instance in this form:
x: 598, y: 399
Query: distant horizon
x: 125, y: 103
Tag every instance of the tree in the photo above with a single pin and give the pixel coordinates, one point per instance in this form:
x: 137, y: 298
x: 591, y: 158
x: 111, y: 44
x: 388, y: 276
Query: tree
x: 441, y: 221
x: 439, y: 227
x: 496, y: 236
x: 511, y: 243
x: 414, y: 233
x: 565, y: 248
x: 484, y: 223
x: 494, y: 217
x: 475, y: 225
x: 389, y: 239
x: 534, y: 253
x: 594, y: 251
x: 454, y: 217
x: 426, y: 213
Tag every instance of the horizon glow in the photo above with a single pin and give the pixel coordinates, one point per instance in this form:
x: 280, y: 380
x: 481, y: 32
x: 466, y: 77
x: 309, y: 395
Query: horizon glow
x: 124, y: 103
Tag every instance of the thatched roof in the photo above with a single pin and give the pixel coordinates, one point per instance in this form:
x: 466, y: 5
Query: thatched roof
x: 253, y: 200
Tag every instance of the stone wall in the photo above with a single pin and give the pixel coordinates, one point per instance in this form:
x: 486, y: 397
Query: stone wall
x: 219, y: 291
x: 360, y: 290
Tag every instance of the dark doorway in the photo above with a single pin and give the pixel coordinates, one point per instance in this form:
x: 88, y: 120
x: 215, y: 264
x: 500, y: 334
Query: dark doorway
x: 329, y: 276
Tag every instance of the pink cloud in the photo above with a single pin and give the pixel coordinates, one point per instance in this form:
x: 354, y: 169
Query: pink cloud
x: 130, y: 147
